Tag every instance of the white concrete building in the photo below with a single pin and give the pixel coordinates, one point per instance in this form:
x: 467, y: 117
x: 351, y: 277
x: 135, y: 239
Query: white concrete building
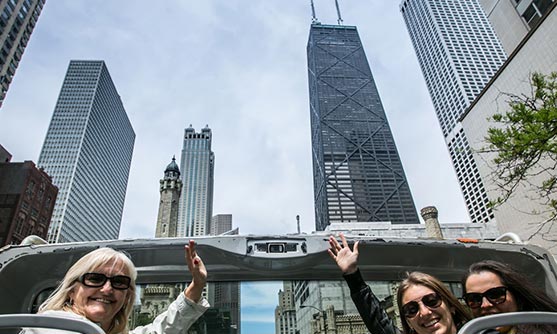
x: 458, y: 52
x: 88, y: 151
x: 537, y: 52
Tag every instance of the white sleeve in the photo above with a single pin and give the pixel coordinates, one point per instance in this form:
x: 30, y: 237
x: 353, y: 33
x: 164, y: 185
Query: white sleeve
x: 181, y: 314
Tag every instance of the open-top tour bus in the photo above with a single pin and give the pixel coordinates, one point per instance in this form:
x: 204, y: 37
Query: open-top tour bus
x: 260, y: 284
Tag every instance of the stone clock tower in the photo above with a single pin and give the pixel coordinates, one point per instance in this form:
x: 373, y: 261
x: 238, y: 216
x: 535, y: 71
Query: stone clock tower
x: 170, y: 188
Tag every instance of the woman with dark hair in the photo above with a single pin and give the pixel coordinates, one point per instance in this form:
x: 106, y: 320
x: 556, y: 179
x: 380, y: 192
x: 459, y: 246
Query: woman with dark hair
x: 492, y: 287
x: 425, y: 304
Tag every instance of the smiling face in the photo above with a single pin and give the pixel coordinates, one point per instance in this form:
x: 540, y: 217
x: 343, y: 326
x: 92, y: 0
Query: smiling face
x: 100, y: 304
x: 480, y: 283
x: 438, y: 320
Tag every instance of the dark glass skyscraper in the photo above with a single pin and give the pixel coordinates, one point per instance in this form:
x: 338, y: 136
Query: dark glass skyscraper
x: 357, y: 173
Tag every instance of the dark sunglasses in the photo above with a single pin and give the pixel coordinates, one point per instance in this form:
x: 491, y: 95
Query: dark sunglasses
x: 431, y: 301
x: 96, y: 280
x: 495, y: 296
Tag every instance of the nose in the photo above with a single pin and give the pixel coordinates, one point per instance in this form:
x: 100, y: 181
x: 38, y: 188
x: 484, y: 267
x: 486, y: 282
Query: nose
x: 107, y: 286
x: 486, y: 303
x: 424, y: 310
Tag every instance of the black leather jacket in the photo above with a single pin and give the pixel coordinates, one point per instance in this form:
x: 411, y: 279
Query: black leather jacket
x: 375, y: 318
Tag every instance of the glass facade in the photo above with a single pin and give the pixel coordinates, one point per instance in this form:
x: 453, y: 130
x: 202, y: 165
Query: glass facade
x: 17, y: 21
x: 458, y: 52
x: 88, y: 151
x: 357, y: 172
x: 196, y: 201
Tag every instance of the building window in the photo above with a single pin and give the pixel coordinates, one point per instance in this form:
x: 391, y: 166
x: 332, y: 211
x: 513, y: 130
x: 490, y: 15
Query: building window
x: 30, y: 189
x: 535, y: 11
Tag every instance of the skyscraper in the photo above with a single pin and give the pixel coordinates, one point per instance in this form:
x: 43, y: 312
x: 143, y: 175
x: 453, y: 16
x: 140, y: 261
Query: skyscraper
x: 458, y: 52
x: 17, y: 21
x: 88, y: 151
x: 170, y: 189
x: 225, y: 296
x: 285, y: 311
x: 220, y: 224
x: 525, y: 212
x: 357, y: 172
x: 196, y: 201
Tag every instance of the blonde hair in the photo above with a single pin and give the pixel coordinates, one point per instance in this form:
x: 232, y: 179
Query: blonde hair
x: 60, y: 298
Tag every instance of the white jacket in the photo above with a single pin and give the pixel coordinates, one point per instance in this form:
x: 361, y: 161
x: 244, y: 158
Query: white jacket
x: 181, y: 314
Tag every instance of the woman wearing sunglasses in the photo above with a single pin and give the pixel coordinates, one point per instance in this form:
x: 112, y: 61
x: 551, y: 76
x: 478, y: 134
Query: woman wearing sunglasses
x: 426, y: 306
x: 492, y: 287
x: 100, y: 287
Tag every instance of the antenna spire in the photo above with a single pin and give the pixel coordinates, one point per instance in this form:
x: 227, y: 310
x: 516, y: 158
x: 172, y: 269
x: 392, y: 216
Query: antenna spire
x: 338, y: 13
x: 313, y: 17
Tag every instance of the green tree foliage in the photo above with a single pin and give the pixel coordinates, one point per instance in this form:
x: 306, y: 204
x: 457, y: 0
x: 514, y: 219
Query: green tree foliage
x: 524, y: 140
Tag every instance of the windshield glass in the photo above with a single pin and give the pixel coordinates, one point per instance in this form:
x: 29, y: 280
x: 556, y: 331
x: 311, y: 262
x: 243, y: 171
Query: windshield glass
x: 302, y: 307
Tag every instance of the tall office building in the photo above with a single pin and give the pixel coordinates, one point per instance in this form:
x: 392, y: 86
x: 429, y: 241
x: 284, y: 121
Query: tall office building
x: 285, y: 311
x: 220, y: 224
x: 170, y: 189
x: 357, y: 172
x: 458, y: 52
x: 225, y: 296
x: 17, y: 21
x: 196, y: 201
x: 88, y: 151
x: 525, y: 212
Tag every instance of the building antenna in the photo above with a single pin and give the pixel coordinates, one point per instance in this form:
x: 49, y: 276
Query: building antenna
x: 313, y: 17
x: 338, y: 13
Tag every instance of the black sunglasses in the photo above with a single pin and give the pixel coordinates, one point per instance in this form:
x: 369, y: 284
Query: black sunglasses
x: 495, y: 296
x: 96, y: 280
x: 431, y: 301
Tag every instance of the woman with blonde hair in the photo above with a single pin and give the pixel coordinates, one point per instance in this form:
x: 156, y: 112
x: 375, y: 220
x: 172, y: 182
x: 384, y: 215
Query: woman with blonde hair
x: 100, y: 287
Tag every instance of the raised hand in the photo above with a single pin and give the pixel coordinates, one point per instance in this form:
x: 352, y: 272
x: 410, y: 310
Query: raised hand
x: 198, y: 273
x: 346, y: 259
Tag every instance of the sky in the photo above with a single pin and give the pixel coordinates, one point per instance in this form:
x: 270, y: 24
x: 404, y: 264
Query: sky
x: 239, y: 67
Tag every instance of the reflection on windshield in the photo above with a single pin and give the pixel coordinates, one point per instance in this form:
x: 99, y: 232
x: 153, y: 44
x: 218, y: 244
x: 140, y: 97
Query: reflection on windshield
x: 290, y: 307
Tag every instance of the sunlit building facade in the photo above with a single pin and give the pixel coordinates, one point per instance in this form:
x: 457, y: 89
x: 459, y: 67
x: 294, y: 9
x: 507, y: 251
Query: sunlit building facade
x: 526, y: 212
x: 513, y: 19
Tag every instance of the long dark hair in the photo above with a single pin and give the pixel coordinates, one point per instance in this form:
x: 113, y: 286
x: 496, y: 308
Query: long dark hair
x: 461, y: 314
x: 528, y: 296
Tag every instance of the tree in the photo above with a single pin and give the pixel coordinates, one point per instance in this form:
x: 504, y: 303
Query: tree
x: 524, y: 140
